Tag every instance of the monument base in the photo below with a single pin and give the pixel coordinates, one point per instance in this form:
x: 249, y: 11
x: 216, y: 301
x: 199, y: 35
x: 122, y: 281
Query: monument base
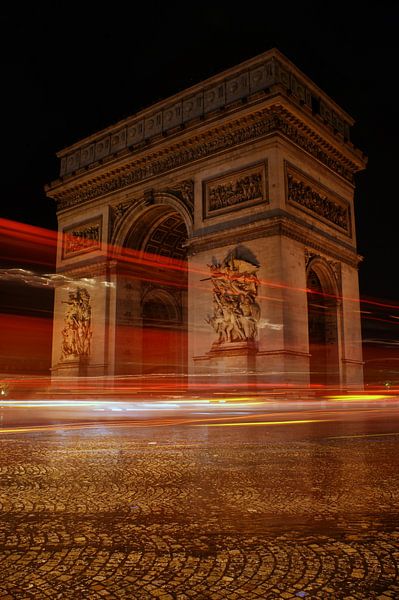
x: 226, y: 359
x: 71, y: 367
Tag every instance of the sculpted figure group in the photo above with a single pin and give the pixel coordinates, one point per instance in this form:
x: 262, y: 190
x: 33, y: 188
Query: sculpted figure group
x: 235, y: 310
x: 77, y: 332
x: 303, y: 194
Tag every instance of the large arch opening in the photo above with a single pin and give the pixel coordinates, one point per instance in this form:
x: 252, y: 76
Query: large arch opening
x: 159, y: 281
x: 322, y: 328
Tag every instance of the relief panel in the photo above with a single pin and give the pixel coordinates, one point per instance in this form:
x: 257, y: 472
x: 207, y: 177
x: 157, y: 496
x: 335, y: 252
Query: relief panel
x: 87, y: 155
x: 235, y: 190
x: 118, y: 140
x: 135, y: 133
x: 77, y: 332
x: 214, y: 98
x: 193, y: 107
x: 102, y: 148
x: 172, y: 116
x: 153, y: 125
x: 237, y: 88
x: 81, y: 238
x: 261, y: 77
x: 306, y: 194
x: 235, y: 287
x: 73, y: 161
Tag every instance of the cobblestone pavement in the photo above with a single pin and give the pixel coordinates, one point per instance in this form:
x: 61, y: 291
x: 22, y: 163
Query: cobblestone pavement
x: 193, y: 513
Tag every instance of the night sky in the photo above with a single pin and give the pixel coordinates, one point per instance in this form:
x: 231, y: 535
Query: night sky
x: 68, y: 72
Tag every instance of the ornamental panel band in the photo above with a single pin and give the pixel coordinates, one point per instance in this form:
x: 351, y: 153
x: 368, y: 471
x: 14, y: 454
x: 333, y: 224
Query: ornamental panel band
x: 82, y: 238
x: 271, y: 120
x: 235, y: 190
x: 319, y: 202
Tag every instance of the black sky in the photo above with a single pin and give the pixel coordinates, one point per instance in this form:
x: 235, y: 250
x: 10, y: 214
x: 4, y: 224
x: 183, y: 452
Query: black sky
x: 71, y: 69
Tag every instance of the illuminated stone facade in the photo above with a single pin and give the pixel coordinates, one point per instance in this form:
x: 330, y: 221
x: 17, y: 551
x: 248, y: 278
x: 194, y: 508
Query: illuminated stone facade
x: 169, y: 217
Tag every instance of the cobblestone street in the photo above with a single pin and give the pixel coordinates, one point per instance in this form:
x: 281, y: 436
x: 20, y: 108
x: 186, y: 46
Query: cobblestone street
x: 198, y: 513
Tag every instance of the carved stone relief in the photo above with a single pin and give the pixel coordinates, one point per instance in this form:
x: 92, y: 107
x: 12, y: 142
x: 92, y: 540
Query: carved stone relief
x: 184, y: 191
x: 118, y: 211
x: 235, y: 310
x: 77, y: 333
x: 271, y: 120
x: 234, y: 87
x: 84, y: 237
x: 334, y: 265
x: 239, y: 189
x: 313, y: 198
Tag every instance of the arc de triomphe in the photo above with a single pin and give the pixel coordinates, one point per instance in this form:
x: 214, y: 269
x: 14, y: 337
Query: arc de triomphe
x: 213, y: 233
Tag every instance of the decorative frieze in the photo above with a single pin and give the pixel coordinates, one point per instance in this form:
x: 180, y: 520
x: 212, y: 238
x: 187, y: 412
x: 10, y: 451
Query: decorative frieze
x: 316, y: 200
x: 236, y: 190
x: 237, y: 85
x: 264, y: 123
x: 84, y: 237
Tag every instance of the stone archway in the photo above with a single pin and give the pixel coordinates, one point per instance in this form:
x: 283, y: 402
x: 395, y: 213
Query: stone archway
x: 164, y: 342
x: 155, y: 341
x: 323, y: 332
x: 237, y: 159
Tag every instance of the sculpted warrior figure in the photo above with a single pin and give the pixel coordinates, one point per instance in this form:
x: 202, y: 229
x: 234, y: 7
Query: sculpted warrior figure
x: 235, y: 310
x: 77, y: 325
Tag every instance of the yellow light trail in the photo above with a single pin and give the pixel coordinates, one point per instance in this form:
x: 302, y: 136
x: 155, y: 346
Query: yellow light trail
x: 358, y: 398
x: 153, y: 423
x: 75, y: 426
x: 263, y: 423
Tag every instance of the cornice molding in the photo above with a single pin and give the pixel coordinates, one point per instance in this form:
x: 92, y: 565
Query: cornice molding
x: 274, y: 226
x: 275, y: 120
x: 263, y: 76
x: 93, y: 268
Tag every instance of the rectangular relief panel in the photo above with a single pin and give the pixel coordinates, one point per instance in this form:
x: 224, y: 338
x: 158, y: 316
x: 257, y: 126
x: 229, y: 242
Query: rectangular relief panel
x: 82, y: 237
x: 304, y: 193
x: 235, y: 190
